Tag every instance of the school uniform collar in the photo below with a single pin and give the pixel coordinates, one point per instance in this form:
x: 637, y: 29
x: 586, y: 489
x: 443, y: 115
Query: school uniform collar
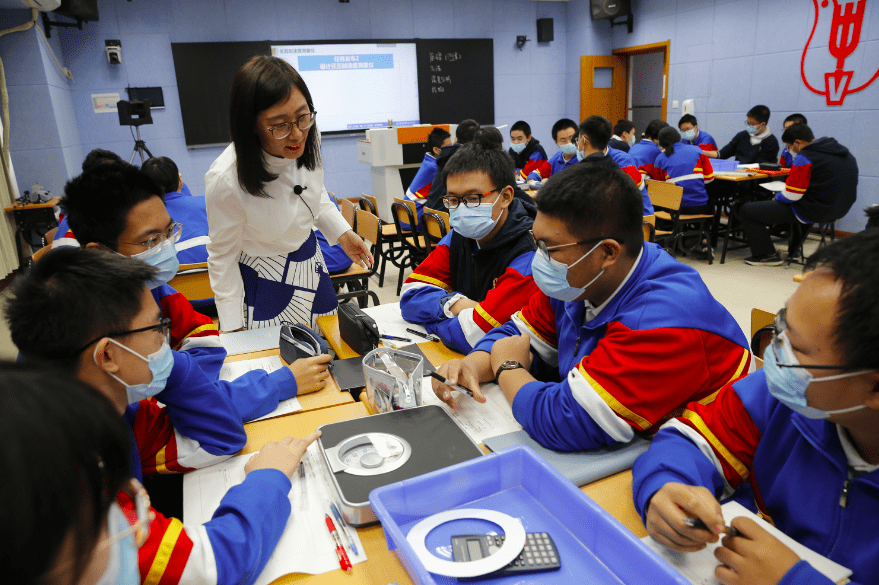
x: 591, y: 311
x: 757, y: 139
x: 855, y: 461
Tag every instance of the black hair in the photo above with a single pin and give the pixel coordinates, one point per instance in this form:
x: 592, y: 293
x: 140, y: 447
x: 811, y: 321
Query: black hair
x: 261, y: 83
x: 668, y: 137
x: 465, y: 131
x: 164, y: 172
x: 651, y: 132
x: 596, y: 200
x: 759, y: 113
x: 436, y: 138
x: 796, y: 119
x: 564, y: 124
x: 522, y: 126
x: 597, y: 130
x: 854, y: 261
x: 687, y: 119
x: 98, y: 157
x: 98, y: 201
x: 66, y: 453
x: 797, y: 132
x: 70, y: 296
x: 485, y: 154
x: 623, y: 126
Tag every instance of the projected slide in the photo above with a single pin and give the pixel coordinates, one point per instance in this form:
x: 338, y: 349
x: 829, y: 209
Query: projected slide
x: 357, y: 86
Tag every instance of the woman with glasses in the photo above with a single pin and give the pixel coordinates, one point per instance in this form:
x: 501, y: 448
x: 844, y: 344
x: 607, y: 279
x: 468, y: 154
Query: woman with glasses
x: 264, y: 196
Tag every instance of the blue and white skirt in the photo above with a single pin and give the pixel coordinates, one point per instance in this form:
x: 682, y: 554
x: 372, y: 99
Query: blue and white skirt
x: 295, y: 287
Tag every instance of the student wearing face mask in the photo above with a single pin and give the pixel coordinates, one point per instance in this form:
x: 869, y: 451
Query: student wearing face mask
x: 88, y: 314
x: 786, y: 160
x: 420, y: 186
x: 797, y: 440
x: 822, y: 187
x: 690, y: 133
x: 604, y: 350
x: 687, y: 167
x: 529, y: 157
x: 754, y: 144
x: 644, y: 153
x: 565, y: 132
x: 480, y: 273
x: 623, y: 136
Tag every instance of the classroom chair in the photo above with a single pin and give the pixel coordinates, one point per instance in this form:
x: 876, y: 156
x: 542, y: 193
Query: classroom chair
x: 762, y: 327
x: 357, y: 277
x: 50, y: 235
x: 347, y: 209
x: 667, y: 198
x: 391, y: 247
x: 433, y: 229
x: 649, y: 227
x: 193, y: 282
x: 404, y: 213
x: 797, y: 235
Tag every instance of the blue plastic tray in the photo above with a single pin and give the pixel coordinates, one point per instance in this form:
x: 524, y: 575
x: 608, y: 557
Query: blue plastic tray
x: 593, y: 546
x: 724, y: 165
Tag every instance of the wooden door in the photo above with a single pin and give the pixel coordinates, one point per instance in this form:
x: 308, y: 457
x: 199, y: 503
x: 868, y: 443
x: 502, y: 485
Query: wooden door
x: 603, y: 86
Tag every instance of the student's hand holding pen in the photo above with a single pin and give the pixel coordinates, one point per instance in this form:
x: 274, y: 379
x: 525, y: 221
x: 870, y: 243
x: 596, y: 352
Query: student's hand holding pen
x: 456, y: 372
x: 283, y: 455
x: 754, y: 556
x: 672, y: 506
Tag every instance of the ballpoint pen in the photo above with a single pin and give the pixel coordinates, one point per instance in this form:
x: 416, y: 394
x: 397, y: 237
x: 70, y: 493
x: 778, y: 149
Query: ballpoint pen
x: 427, y: 336
x: 344, y: 525
x: 394, y: 338
x: 699, y: 524
x: 303, y: 503
x: 344, y: 561
x: 457, y: 387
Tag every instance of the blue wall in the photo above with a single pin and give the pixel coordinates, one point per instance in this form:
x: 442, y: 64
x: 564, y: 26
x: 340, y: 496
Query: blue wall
x: 529, y: 84
x: 732, y: 55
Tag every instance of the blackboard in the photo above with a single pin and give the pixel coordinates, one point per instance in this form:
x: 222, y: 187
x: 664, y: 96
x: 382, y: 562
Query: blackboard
x: 455, y: 80
x: 462, y: 87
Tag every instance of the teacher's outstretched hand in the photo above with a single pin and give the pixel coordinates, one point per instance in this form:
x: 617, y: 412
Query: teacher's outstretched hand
x: 356, y: 248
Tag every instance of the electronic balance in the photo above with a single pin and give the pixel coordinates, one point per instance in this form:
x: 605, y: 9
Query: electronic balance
x: 365, y: 453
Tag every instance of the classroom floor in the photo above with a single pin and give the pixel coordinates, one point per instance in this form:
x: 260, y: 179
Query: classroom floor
x: 735, y: 284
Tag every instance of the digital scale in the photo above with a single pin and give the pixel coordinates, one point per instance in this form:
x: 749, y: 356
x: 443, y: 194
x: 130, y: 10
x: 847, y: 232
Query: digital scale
x: 374, y: 451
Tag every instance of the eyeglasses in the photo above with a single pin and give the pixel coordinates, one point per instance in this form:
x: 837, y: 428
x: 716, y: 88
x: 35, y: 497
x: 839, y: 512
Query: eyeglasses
x: 172, y: 233
x: 541, y: 245
x: 163, y: 326
x: 471, y: 200
x: 141, y: 527
x: 303, y: 122
x: 777, y: 345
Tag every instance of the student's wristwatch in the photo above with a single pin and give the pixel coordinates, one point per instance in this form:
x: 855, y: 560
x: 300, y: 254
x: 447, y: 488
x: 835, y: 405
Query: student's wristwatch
x: 507, y: 365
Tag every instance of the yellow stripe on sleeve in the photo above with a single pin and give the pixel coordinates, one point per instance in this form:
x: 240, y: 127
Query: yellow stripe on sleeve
x: 743, y: 363
x: 715, y: 442
x: 200, y: 329
x: 160, y: 461
x: 491, y: 320
x: 429, y: 280
x: 163, y: 554
x: 617, y: 406
x: 521, y: 317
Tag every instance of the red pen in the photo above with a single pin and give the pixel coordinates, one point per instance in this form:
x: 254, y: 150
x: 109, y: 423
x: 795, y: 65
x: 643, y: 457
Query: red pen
x: 344, y: 562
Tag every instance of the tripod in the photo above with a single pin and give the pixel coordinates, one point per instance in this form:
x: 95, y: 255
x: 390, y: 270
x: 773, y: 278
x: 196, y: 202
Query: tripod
x: 140, y: 147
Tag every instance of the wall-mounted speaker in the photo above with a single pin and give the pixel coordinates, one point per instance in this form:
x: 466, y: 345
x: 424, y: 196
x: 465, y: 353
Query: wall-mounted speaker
x: 544, y: 30
x: 610, y: 9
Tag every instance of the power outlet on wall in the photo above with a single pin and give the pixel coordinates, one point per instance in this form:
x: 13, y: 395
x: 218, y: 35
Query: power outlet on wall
x: 674, y: 104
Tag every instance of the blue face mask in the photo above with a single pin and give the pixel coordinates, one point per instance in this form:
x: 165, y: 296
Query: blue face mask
x: 164, y: 258
x: 788, y: 385
x: 552, y: 276
x: 689, y: 135
x: 122, y: 566
x: 752, y: 130
x: 568, y: 149
x: 161, y: 363
x: 580, y: 155
x: 631, y: 140
x: 473, y: 222
x: 517, y: 148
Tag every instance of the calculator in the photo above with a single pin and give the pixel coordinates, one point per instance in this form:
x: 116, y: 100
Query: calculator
x: 539, y: 554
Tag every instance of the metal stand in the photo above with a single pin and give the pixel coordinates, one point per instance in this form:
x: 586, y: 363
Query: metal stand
x: 140, y: 148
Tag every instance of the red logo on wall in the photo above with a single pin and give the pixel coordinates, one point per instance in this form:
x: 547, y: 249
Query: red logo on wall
x: 842, y: 23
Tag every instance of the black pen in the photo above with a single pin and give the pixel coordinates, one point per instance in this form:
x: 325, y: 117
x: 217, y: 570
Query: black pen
x: 392, y: 338
x: 700, y: 525
x: 424, y: 335
x: 457, y: 387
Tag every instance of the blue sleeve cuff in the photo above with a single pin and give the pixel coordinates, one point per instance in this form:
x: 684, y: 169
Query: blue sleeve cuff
x: 285, y: 382
x: 805, y: 574
x: 523, y: 402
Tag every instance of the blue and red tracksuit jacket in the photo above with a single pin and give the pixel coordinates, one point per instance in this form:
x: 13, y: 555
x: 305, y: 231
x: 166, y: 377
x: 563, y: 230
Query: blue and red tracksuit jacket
x: 786, y: 159
x: 644, y: 154
x: 628, y: 166
x: 687, y: 161
x: 661, y: 342
x: 531, y: 163
x: 497, y: 276
x: 557, y: 162
x: 704, y: 141
x: 789, y: 468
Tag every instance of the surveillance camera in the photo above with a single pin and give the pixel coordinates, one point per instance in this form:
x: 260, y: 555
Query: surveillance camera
x: 114, y: 51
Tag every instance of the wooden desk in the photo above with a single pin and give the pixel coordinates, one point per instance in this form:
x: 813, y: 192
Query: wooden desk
x: 32, y: 216
x: 331, y: 395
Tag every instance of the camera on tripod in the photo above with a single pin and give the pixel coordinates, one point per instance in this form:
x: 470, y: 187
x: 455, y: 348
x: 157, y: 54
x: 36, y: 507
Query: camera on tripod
x: 134, y: 112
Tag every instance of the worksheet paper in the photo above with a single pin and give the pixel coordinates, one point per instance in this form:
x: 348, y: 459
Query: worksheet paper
x: 479, y: 421
x: 251, y: 340
x: 232, y: 370
x: 305, y: 545
x: 698, y: 567
x: 774, y: 186
x: 390, y: 321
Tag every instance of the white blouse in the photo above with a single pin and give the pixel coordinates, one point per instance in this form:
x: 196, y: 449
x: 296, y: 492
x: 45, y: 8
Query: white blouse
x: 259, y: 226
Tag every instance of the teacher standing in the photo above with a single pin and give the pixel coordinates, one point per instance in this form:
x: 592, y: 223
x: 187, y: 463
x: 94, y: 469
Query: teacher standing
x: 264, y: 196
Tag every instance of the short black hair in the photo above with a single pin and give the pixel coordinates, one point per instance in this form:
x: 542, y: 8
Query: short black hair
x: 597, y: 130
x: 623, y: 126
x: 564, y: 124
x: 484, y: 154
x: 66, y: 453
x: 465, y: 131
x: 668, y: 137
x: 522, y: 126
x: 596, y: 200
x: 688, y: 119
x: 759, y: 113
x: 261, y: 83
x: 797, y: 132
x: 98, y: 157
x: 71, y: 296
x: 164, y: 172
x: 436, y: 138
x: 98, y: 201
x: 796, y: 119
x: 854, y: 261
x: 653, y: 128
